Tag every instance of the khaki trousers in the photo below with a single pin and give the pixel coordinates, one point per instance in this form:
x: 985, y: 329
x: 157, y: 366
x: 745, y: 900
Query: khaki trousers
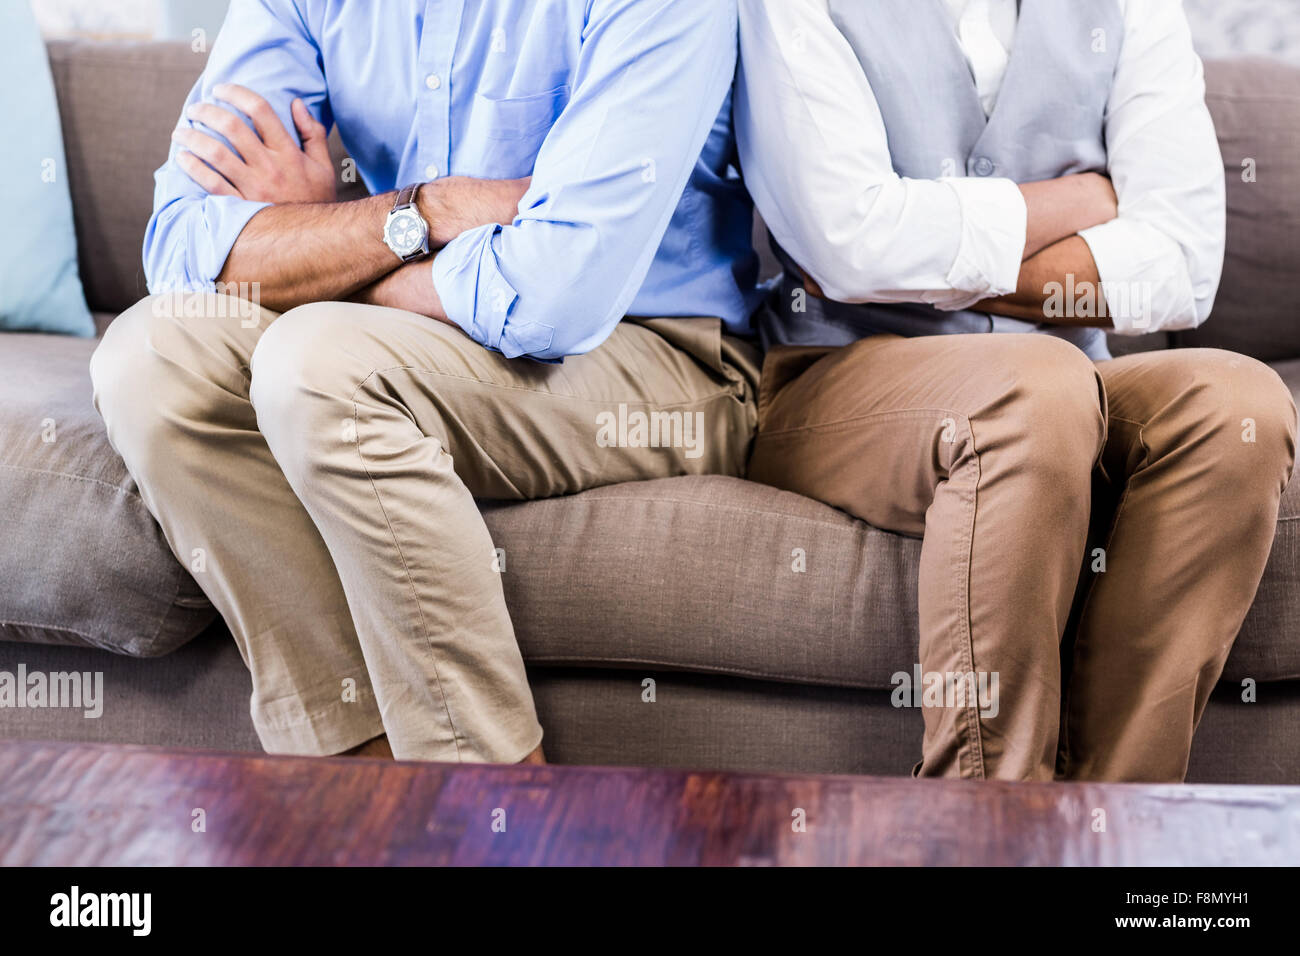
x: 998, y: 450
x: 317, y: 473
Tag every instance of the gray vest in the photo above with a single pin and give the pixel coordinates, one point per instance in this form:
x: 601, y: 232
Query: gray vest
x: 1048, y: 122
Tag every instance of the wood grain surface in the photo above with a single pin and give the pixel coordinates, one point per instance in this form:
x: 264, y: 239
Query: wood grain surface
x: 77, y: 805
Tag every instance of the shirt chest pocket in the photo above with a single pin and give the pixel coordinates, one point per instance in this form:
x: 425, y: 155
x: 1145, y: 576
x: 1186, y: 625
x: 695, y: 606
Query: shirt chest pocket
x: 506, y: 133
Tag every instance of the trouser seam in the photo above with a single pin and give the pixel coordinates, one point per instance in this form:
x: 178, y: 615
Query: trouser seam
x: 966, y: 639
x: 406, y: 568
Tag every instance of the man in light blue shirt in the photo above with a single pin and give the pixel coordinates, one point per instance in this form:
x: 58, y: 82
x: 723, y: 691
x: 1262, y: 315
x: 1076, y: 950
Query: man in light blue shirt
x: 318, y: 390
x: 587, y: 103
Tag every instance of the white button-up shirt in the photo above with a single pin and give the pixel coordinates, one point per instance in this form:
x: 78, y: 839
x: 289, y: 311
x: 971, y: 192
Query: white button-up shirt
x: 816, y: 159
x: 986, y: 30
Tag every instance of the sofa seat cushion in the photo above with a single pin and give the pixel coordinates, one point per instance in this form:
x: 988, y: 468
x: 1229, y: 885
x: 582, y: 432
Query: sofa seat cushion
x: 711, y: 575
x: 81, y: 559
x: 1268, y: 647
x: 699, y: 574
x: 702, y: 574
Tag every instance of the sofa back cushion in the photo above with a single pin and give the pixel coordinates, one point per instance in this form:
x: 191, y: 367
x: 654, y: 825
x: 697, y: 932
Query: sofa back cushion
x: 119, y: 103
x: 1256, y: 108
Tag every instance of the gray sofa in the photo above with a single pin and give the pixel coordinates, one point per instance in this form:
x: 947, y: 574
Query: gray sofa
x: 688, y: 582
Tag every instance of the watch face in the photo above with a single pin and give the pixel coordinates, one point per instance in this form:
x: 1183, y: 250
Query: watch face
x: 405, y: 233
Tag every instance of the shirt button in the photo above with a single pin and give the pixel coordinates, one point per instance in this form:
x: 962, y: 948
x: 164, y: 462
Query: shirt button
x: 433, y: 81
x: 984, y: 166
x: 430, y: 172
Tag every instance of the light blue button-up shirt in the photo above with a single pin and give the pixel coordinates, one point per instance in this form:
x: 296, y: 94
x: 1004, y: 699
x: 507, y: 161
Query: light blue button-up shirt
x: 620, y: 110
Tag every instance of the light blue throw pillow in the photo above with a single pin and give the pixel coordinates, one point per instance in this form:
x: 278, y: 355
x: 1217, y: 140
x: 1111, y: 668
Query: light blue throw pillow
x: 40, y: 290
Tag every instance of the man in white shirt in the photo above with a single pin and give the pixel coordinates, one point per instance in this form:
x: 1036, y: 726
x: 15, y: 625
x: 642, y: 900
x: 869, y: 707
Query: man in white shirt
x: 936, y: 170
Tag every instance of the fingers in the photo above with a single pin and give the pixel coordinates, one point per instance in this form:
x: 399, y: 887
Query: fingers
x: 312, y: 132
x: 209, y: 179
x: 213, y: 152
x: 257, y: 109
x: 810, y: 284
x: 227, y: 124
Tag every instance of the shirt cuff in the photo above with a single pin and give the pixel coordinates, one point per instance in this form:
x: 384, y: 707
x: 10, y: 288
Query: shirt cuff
x: 194, y: 245
x: 477, y: 296
x: 991, y: 248
x: 1144, y: 277
x: 223, y: 219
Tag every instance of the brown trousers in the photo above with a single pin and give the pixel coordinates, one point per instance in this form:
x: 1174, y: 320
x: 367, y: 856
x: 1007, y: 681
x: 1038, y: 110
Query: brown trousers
x: 999, y: 450
x: 317, y: 471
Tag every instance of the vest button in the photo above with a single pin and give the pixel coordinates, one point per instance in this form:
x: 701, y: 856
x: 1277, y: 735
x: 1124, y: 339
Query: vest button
x: 984, y: 166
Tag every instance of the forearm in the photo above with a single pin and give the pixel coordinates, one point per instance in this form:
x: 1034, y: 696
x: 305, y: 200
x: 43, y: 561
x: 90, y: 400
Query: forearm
x: 1061, y: 208
x: 891, y: 255
x: 322, y: 252
x: 1060, y: 285
x: 1059, y: 282
x: 312, y: 252
x: 410, y: 288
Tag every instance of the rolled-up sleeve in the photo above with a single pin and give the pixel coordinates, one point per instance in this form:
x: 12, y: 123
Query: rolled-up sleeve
x: 652, y: 76
x: 815, y: 154
x: 265, y: 46
x: 1161, y: 260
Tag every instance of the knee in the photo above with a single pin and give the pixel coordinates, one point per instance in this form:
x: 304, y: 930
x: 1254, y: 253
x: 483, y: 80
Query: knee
x: 122, y: 363
x: 1242, y: 413
x: 300, y: 357
x: 1050, y: 394
x: 1267, y: 407
x: 301, y: 382
x: 140, y: 378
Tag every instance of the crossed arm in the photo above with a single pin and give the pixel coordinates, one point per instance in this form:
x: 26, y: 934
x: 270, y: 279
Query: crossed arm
x: 337, y: 252
x: 865, y: 234
x: 1057, y: 211
x: 548, y: 275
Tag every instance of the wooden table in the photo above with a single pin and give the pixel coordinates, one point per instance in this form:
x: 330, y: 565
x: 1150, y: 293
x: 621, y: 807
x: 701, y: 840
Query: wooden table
x: 77, y: 805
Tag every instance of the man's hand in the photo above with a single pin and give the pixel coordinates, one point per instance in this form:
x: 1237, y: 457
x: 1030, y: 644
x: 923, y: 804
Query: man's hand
x: 307, y: 247
x: 266, y: 165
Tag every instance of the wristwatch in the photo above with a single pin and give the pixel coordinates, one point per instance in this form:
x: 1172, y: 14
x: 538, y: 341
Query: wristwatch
x: 405, y: 231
